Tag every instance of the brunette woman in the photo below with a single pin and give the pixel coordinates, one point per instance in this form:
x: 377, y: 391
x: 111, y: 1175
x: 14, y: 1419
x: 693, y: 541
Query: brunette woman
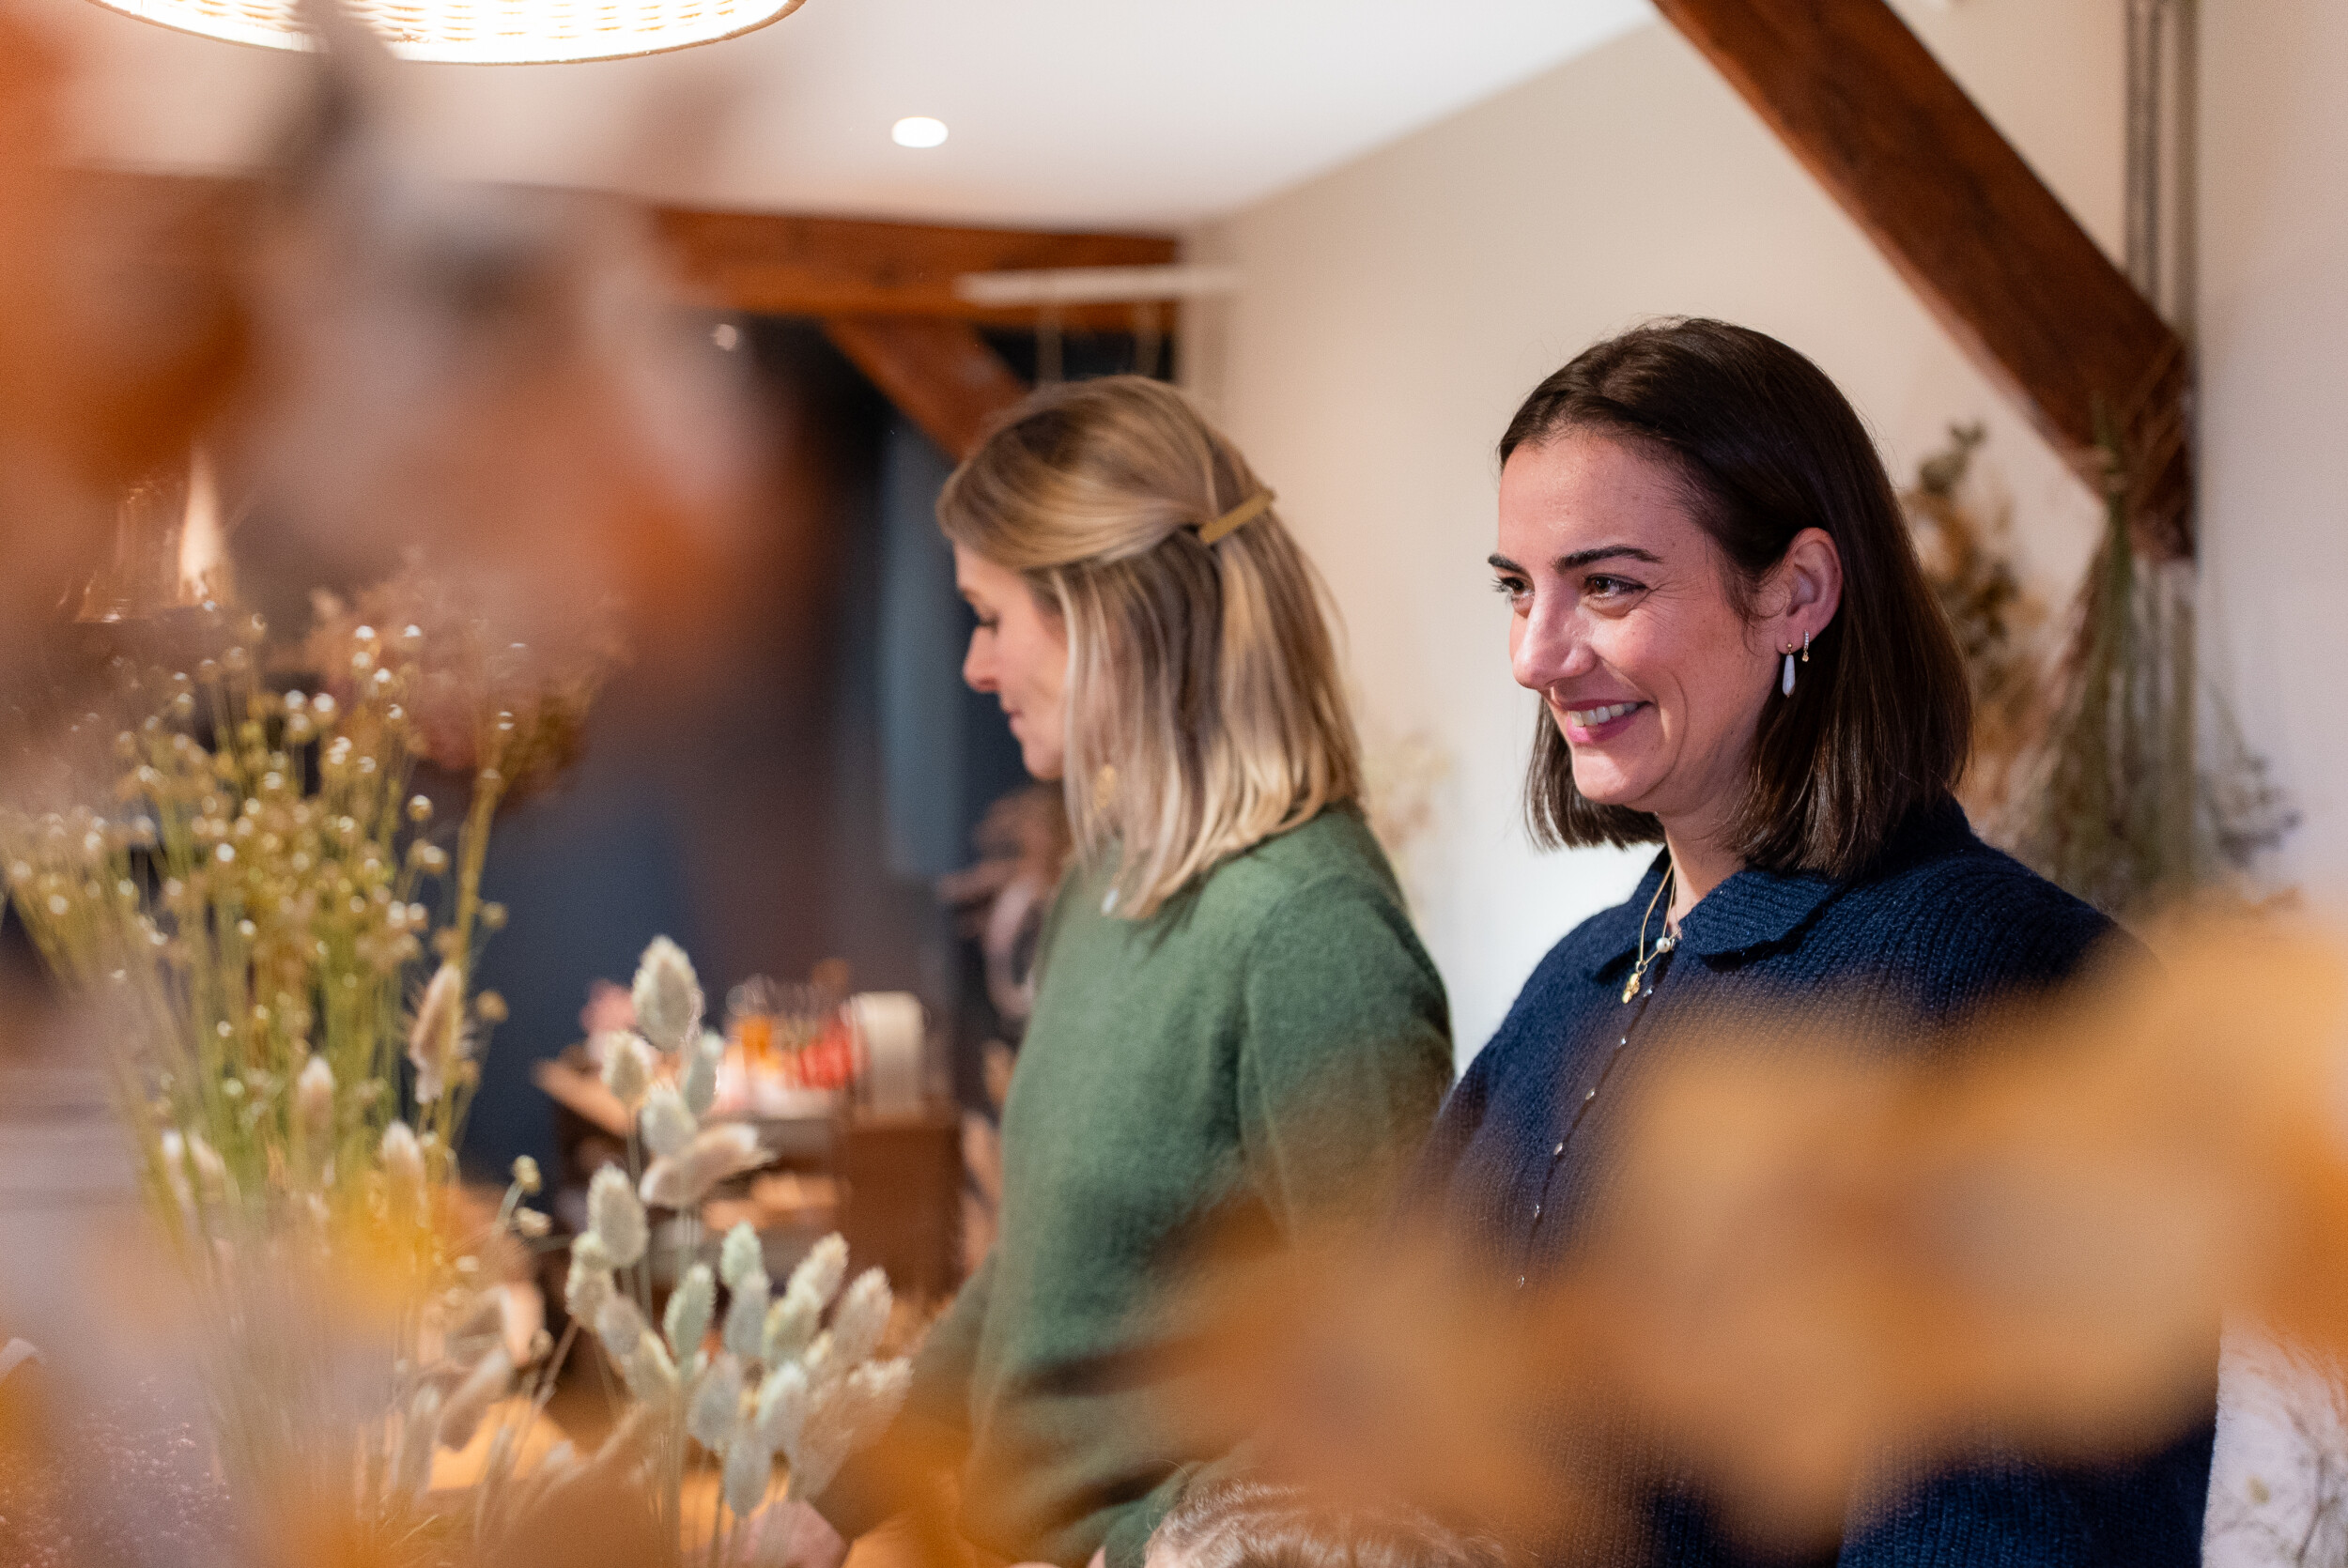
x: 1235, y: 1029
x: 1717, y: 599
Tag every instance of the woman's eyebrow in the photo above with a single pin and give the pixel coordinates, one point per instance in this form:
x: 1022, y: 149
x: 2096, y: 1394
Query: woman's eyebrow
x: 1606, y: 552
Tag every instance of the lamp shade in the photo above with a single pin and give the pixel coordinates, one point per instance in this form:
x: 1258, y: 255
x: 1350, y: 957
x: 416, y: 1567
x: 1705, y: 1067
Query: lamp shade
x: 480, y: 32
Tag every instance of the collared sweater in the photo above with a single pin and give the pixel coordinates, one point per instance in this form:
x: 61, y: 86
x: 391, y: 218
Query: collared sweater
x: 1939, y: 927
x: 1261, y: 1056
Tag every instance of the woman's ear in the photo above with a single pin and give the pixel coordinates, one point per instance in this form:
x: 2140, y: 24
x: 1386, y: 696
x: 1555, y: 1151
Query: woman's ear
x: 1811, y: 578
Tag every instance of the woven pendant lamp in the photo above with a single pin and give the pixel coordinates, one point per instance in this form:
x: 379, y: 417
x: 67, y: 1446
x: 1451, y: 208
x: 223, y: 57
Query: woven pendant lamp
x: 480, y: 32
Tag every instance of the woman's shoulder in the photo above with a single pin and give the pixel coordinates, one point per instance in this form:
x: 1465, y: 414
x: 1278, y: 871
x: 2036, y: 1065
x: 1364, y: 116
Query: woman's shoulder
x: 1333, y: 854
x: 1956, y: 902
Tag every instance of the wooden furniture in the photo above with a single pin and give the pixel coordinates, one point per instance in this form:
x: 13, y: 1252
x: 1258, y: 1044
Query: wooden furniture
x: 890, y: 1185
x: 901, y: 1197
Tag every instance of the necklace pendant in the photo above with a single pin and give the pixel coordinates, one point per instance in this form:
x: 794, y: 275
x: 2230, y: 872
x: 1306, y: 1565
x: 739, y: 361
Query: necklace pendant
x: 1630, y: 987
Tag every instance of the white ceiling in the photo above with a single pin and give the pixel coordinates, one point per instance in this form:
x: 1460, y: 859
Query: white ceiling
x: 1084, y: 113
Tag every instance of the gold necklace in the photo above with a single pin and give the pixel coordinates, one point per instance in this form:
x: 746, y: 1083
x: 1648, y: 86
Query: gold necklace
x: 1664, y: 944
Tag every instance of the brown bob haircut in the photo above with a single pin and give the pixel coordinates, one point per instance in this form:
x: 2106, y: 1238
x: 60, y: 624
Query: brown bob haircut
x: 1765, y: 446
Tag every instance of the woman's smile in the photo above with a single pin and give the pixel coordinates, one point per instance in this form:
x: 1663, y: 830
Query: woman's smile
x: 1595, y: 724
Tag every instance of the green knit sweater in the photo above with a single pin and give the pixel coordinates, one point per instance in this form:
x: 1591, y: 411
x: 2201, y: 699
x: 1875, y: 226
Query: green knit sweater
x: 1269, y: 1047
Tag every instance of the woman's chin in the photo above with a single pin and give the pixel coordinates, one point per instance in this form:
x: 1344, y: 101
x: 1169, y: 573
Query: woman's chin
x: 1606, y: 786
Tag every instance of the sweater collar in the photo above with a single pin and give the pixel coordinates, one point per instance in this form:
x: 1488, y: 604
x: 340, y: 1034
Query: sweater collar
x: 1756, y: 908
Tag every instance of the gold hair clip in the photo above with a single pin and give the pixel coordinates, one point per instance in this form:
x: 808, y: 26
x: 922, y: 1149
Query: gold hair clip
x: 1238, y: 517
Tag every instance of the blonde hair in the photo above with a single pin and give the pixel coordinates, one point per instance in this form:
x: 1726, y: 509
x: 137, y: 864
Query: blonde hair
x: 1204, y: 709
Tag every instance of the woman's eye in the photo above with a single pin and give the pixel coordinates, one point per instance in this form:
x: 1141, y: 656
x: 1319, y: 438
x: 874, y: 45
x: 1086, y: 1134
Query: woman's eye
x: 1511, y: 589
x: 1609, y: 588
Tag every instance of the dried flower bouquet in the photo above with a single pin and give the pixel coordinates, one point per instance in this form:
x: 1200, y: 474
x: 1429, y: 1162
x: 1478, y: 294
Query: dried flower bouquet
x: 776, y: 1378
x: 247, y: 911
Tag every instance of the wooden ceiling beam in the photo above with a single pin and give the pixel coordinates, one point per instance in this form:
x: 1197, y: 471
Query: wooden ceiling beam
x: 938, y: 372
x: 1992, y: 251
x: 761, y: 263
x: 783, y: 264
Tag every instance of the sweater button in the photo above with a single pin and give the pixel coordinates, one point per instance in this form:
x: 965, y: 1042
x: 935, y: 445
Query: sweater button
x: 1537, y: 1211
x: 1588, y: 1096
x: 1520, y: 1282
x: 1558, y: 1153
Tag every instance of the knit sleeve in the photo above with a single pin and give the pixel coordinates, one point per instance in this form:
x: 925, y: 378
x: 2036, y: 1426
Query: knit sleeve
x: 1438, y: 1163
x: 1345, y: 1052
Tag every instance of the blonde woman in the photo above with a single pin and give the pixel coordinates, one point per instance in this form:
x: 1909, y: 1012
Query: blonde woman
x: 1235, y: 1028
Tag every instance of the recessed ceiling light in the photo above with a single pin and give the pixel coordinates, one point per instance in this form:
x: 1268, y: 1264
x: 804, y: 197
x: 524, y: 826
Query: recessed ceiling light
x: 918, y: 130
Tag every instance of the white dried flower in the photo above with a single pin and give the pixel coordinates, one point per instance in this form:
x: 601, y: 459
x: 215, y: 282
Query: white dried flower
x: 619, y: 1325
x: 746, y: 1316
x: 419, y: 1435
x: 589, y: 1282
x: 680, y: 1182
x: 875, y: 1393
x: 716, y: 1413
x: 174, y: 1147
x: 532, y: 1225
x: 212, y: 1171
x: 824, y: 1447
x: 690, y: 1306
x: 741, y: 1256
x: 667, y: 1125
x: 615, y: 1217
x: 649, y: 1373
x: 699, y: 1080
x: 784, y: 1401
x: 668, y: 995
x: 436, y: 1040
x: 820, y: 1272
x: 628, y: 1067
x: 791, y: 1326
x: 526, y: 1175
x: 314, y: 1100
x: 749, y: 1470
x: 841, y: 1416
x: 482, y: 1387
x: 644, y: 1362
x: 862, y: 1319
x: 403, y: 1161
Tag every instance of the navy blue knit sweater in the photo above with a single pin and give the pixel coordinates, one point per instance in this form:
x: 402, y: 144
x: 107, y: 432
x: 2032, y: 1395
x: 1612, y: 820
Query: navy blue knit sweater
x: 1942, y: 924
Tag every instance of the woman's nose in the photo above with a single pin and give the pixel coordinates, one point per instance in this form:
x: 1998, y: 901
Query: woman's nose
x: 1549, y: 649
x: 978, y: 670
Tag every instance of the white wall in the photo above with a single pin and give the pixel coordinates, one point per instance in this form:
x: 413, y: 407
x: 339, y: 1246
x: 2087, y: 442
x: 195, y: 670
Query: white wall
x: 1395, y: 312
x: 2273, y: 405
x: 2273, y: 343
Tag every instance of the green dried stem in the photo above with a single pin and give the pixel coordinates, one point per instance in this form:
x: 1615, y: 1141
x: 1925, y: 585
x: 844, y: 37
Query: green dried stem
x: 245, y: 897
x: 2113, y: 808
